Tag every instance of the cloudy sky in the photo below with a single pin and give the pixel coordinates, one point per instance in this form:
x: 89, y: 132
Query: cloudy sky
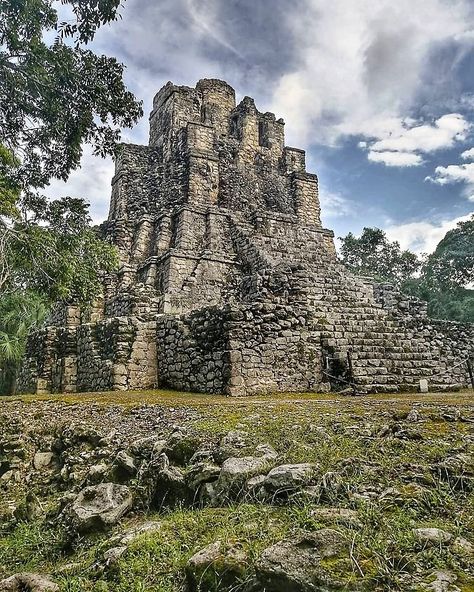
x: 379, y: 93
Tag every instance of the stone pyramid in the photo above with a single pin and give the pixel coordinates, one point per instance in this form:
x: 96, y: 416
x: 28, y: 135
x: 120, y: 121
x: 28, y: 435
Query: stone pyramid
x: 228, y: 282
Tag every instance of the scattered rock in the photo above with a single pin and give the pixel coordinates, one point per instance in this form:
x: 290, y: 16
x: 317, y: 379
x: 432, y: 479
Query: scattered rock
x: 216, y: 565
x: 312, y: 563
x: 76, y: 434
x: 432, y: 535
x: 28, y: 582
x: 144, y: 447
x: 181, y: 446
x: 111, y: 556
x: 231, y: 444
x: 201, y: 456
x: 414, y: 415
x: 97, y: 473
x: 266, y: 451
x: 124, y: 467
x: 384, y: 431
x: 408, y: 434
x: 170, y: 485
x: 255, y: 484
x: 42, y: 460
x: 443, y: 582
x: 462, y: 546
x: 451, y: 415
x: 343, y: 516
x: 7, y: 476
x: 289, y: 478
x: 98, y: 507
x: 202, y: 472
x: 236, y: 471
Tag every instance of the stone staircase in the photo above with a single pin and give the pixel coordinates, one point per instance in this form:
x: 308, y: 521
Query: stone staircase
x: 367, y: 345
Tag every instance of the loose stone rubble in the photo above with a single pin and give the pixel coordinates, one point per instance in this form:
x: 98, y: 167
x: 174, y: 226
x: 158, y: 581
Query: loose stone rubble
x: 228, y: 282
x: 98, y: 507
x: 299, y: 564
x: 115, y: 477
x: 216, y: 567
x: 28, y: 582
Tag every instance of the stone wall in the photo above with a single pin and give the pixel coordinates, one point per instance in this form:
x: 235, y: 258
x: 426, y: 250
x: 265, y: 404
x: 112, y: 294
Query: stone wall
x: 192, y: 351
x: 117, y: 353
x: 35, y: 374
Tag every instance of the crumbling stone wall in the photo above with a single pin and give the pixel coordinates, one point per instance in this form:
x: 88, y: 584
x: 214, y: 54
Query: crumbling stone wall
x: 228, y: 282
x: 192, y: 351
x: 117, y: 353
x: 36, y: 371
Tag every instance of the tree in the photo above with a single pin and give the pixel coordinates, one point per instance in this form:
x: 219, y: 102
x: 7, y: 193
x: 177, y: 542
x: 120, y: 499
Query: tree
x: 451, y: 266
x: 448, y: 275
x: 56, y: 96
x: 9, y: 190
x: 374, y: 255
x: 444, y: 277
x: 19, y: 313
x: 55, y: 254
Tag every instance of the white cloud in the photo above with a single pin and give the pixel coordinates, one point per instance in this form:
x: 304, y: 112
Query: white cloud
x: 362, y: 64
x: 90, y: 182
x: 468, y: 154
x: 453, y: 173
x: 333, y: 205
x: 396, y: 159
x: 401, y: 142
x: 422, y: 237
x: 444, y: 133
x: 462, y: 173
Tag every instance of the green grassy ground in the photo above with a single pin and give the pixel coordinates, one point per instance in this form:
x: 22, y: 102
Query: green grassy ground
x: 332, y: 431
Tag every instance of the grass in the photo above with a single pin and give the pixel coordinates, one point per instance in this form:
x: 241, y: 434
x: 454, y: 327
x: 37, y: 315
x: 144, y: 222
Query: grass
x: 341, y: 435
x: 169, y: 397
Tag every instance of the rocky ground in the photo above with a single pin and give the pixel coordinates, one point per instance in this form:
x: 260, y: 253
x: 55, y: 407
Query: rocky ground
x: 167, y: 492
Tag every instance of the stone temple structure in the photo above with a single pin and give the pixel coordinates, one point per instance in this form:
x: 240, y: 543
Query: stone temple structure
x: 228, y: 283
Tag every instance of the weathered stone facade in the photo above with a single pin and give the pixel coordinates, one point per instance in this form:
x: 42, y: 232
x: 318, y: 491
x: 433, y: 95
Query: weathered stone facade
x: 228, y: 282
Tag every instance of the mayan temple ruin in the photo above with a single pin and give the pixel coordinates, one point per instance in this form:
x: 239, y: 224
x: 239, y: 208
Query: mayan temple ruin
x: 228, y: 283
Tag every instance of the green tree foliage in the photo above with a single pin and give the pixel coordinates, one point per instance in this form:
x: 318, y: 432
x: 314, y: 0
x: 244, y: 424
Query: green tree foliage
x: 454, y: 305
x: 448, y: 275
x: 451, y: 266
x: 9, y: 190
x: 443, y: 278
x: 374, y: 255
x: 55, y: 254
x: 55, y: 96
x: 19, y: 313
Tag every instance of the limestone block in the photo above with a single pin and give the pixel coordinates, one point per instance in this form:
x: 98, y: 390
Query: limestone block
x: 423, y: 385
